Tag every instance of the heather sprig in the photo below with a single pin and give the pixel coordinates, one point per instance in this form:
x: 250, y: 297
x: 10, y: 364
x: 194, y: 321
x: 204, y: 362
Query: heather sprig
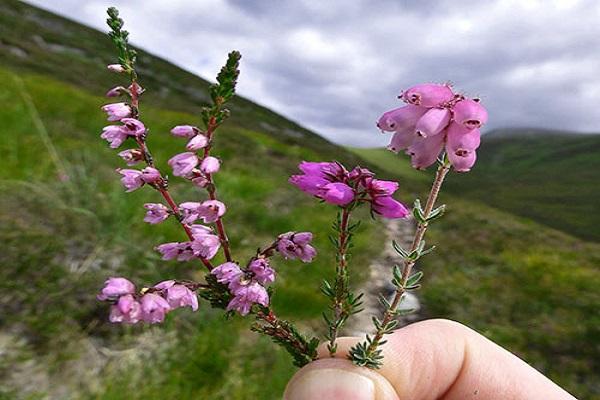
x: 436, y: 125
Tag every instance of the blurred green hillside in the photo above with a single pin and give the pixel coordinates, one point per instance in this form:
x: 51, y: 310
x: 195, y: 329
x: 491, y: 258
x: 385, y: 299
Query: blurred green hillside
x: 66, y: 224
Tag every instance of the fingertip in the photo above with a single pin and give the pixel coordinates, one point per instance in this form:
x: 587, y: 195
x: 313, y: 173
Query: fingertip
x: 335, y: 378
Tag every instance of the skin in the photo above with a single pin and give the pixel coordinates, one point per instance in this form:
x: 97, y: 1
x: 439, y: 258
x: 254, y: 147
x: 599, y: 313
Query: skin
x: 434, y: 359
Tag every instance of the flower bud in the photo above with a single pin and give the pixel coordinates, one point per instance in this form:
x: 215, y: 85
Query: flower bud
x: 186, y: 131
x: 401, y: 118
x: 197, y: 142
x: 210, y: 165
x: 118, y: 68
x: 150, y: 175
x: 182, y: 164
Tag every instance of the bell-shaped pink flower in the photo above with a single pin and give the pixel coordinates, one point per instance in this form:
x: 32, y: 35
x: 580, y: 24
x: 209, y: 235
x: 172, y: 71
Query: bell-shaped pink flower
x: 311, y: 184
x: 210, y: 165
x: 337, y: 193
x: 402, y: 139
x: 150, y: 175
x: 154, y: 308
x: 127, y: 310
x: 461, y: 138
x: 189, y: 211
x: 205, y: 245
x: 156, y: 213
x: 245, y: 296
x: 388, y: 207
x: 115, y: 135
x: 117, y: 111
x: 470, y: 113
x: 200, y: 181
x: 178, y: 295
x: 424, y: 151
x: 131, y: 179
x: 134, y: 127
x: 227, y: 273
x: 169, y: 251
x: 296, y: 245
x: 131, y: 156
x: 428, y: 95
x: 378, y: 187
x: 186, y: 131
x: 400, y: 119
x: 462, y: 161
x: 197, y: 142
x: 118, y: 68
x: 461, y: 145
x: 183, y: 163
x: 433, y: 122
x: 211, y: 210
x: 263, y: 273
x: 115, y: 287
x: 115, y: 92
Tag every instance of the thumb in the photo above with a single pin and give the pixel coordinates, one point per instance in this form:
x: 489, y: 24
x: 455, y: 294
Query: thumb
x: 336, y: 378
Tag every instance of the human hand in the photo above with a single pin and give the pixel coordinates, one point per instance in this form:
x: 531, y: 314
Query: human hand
x: 435, y: 359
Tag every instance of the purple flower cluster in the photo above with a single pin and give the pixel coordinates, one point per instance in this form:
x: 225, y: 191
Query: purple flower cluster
x: 188, y: 164
x: 293, y: 245
x: 151, y: 306
x: 434, y: 118
x: 334, y: 184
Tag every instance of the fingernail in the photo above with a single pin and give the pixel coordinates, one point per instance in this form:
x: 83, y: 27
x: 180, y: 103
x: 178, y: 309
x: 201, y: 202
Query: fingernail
x: 331, y: 384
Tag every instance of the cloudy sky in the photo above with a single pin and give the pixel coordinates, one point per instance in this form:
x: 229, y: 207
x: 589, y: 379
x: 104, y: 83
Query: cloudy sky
x: 335, y: 65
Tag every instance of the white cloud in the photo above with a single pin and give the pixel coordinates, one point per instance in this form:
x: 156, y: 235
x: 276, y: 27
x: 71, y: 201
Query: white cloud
x: 334, y: 66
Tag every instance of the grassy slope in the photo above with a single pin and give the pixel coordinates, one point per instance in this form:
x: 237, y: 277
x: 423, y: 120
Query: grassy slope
x: 551, y: 178
x: 530, y: 288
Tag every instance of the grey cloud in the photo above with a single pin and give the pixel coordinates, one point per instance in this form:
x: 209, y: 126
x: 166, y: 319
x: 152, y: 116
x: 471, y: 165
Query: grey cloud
x: 335, y: 66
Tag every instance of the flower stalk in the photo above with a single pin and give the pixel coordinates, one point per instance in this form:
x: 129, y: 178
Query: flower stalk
x: 368, y: 353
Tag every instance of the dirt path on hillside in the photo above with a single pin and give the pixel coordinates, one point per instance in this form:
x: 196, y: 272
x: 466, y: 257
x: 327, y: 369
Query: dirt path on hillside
x: 380, y: 275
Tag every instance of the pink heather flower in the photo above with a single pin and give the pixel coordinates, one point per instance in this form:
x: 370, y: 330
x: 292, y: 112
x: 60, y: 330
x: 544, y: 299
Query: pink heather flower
x: 400, y: 119
x: 189, y: 211
x: 388, y: 207
x: 461, y: 145
x: 183, y: 163
x: 156, y: 213
x: 115, y: 92
x: 115, y: 135
x: 118, y: 68
x: 470, y: 113
x: 402, y: 140
x: 131, y: 179
x: 359, y: 173
x: 296, y: 245
x: 210, y: 165
x: 169, y: 251
x: 326, y: 181
x: 115, y: 287
x: 227, y: 273
x: 428, y: 95
x: 197, y: 142
x: 131, y: 156
x: 310, y: 184
x: 178, y: 295
x: 200, y: 181
x: 150, y: 175
x: 337, y: 193
x: 135, y: 127
x: 205, y: 245
x: 211, y: 211
x: 378, y: 187
x: 433, y: 122
x: 154, y: 308
x: 424, y: 151
x: 198, y: 229
x: 246, y: 296
x: 186, y: 252
x: 186, y: 131
x: 117, y: 111
x: 263, y: 273
x: 127, y: 310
